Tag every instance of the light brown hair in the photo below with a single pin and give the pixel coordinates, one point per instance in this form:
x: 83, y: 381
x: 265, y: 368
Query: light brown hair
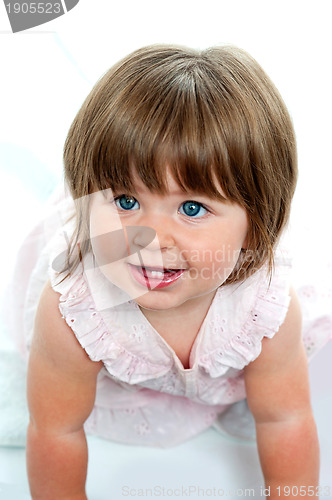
x: 207, y: 115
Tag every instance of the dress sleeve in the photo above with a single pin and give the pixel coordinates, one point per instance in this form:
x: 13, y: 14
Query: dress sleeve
x: 246, y: 314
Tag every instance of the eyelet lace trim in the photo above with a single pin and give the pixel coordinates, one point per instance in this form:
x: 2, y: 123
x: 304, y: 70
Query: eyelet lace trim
x: 235, y: 348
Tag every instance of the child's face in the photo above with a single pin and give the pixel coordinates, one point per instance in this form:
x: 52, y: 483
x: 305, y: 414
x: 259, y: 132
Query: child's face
x: 165, y: 250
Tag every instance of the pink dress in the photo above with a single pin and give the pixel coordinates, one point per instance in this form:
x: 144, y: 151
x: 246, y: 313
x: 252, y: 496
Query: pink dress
x: 144, y: 395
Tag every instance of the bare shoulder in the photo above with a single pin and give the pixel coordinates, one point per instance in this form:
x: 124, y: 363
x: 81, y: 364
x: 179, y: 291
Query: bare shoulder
x: 54, y: 339
x: 61, y: 383
x: 277, y: 381
x: 286, y: 344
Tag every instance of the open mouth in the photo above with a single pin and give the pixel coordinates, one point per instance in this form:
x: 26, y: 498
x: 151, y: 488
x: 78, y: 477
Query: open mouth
x: 155, y: 277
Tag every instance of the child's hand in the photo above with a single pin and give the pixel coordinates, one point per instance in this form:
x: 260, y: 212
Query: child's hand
x: 278, y: 396
x: 61, y: 394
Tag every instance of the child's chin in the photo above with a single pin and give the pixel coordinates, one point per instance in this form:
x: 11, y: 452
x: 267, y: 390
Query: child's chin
x: 145, y: 302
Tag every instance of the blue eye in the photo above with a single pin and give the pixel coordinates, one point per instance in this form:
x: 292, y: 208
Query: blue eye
x: 126, y: 202
x: 192, y: 209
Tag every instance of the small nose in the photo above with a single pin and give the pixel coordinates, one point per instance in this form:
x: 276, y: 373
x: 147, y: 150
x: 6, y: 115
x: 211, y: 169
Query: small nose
x: 163, y: 235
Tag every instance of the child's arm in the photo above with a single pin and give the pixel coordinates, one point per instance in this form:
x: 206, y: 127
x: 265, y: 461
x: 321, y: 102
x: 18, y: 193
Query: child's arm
x: 278, y: 395
x: 61, y: 394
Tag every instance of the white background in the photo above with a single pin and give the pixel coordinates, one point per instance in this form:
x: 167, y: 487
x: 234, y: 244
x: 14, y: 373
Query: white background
x: 47, y: 71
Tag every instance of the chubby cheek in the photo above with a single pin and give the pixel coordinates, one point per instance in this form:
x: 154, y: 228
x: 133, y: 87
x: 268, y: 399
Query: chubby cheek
x: 214, y: 260
x: 103, y: 220
x: 107, y: 238
x: 215, y: 267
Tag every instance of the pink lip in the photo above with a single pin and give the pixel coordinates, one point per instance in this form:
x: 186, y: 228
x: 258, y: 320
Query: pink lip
x: 143, y: 277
